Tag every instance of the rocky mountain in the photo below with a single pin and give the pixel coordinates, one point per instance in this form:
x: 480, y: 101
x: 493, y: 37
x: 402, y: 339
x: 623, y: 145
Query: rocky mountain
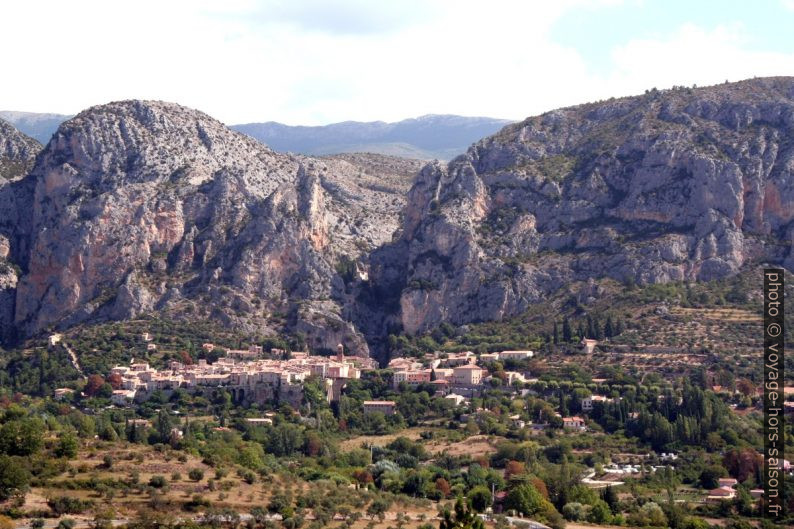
x: 39, y: 126
x: 427, y: 137
x: 17, y: 152
x: 139, y: 206
x: 17, y: 156
x: 148, y: 206
x: 682, y: 184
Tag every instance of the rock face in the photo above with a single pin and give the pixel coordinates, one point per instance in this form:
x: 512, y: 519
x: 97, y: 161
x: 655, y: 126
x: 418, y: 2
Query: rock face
x: 17, y: 152
x: 685, y: 184
x: 139, y: 206
x: 142, y: 206
x: 17, y: 156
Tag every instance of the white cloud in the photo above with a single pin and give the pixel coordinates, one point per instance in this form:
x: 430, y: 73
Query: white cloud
x: 693, y: 55
x: 270, y: 60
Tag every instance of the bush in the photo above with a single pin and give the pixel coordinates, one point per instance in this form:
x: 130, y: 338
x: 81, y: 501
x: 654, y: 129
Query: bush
x: 67, y: 505
x: 196, y: 474
x: 66, y: 523
x: 157, y: 482
x: 197, y: 503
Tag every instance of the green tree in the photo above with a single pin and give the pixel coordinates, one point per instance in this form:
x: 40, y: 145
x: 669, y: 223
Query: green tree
x: 464, y: 517
x: 600, y: 513
x: 649, y: 515
x: 286, y: 439
x: 67, y: 446
x: 526, y: 499
x: 609, y: 328
x: 22, y: 437
x: 164, y: 425
x: 378, y: 507
x: 14, y: 477
x: 480, y: 498
x: 709, y: 477
x: 567, y: 333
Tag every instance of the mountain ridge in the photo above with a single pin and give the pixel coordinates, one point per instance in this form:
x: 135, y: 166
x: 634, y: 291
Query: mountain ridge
x: 448, y: 134
x: 176, y: 214
x: 407, y: 138
x: 685, y: 184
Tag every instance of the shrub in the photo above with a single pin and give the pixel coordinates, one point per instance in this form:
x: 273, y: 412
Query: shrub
x: 66, y: 523
x: 196, y: 474
x: 68, y: 505
x: 157, y: 482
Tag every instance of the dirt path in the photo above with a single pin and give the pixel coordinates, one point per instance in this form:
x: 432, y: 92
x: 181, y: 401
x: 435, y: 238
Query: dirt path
x: 58, y: 339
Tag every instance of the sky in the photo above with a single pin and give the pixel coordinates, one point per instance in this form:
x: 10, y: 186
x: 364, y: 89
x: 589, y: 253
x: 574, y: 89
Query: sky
x: 312, y: 62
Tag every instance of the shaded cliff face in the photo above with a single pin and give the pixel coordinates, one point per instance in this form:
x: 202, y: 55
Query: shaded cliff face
x: 676, y: 185
x: 17, y: 156
x: 149, y: 206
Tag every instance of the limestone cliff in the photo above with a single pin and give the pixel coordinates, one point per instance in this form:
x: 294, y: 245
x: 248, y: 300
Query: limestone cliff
x: 682, y: 184
x: 148, y: 206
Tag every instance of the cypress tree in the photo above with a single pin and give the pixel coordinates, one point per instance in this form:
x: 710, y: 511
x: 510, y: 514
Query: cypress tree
x: 609, y: 329
x: 567, y: 334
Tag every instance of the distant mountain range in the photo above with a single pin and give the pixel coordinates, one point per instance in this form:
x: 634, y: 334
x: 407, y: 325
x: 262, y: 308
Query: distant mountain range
x: 426, y: 137
x: 38, y: 126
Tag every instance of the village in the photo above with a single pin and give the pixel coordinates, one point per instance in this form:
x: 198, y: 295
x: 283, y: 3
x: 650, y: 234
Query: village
x: 253, y: 376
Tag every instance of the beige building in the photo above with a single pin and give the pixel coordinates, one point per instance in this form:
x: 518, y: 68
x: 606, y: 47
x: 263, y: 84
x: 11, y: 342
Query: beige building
x: 515, y: 355
x: 386, y: 407
x: 468, y: 375
x: 574, y: 423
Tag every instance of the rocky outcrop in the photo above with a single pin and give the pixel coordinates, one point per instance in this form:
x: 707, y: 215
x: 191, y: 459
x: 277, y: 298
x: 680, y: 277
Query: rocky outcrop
x: 685, y: 184
x: 148, y: 206
x: 17, y: 156
x: 140, y: 206
x: 17, y: 152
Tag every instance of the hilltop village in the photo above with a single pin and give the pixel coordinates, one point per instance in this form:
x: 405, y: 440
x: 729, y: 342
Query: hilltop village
x: 253, y: 376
